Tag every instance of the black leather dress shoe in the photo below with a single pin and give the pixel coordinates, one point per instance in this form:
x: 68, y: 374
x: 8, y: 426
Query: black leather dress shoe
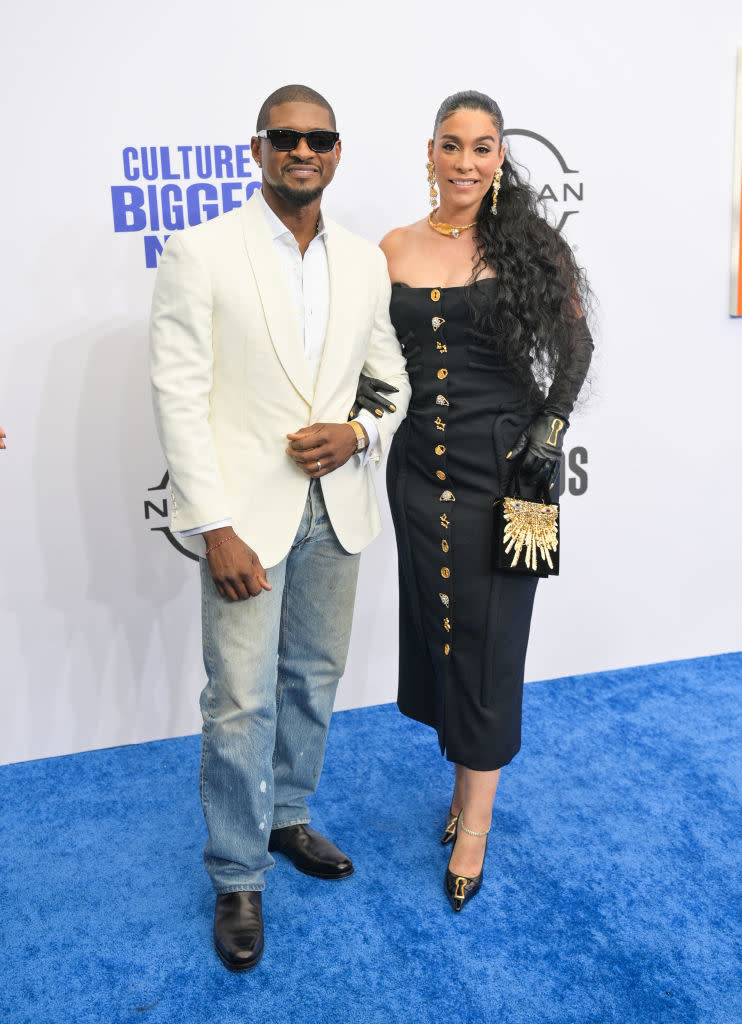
x: 238, y: 929
x: 310, y: 852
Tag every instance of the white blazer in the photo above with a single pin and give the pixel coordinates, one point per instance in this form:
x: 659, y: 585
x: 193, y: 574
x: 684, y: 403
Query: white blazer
x: 230, y: 379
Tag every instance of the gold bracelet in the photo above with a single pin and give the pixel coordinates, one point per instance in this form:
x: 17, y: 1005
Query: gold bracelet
x: 219, y: 543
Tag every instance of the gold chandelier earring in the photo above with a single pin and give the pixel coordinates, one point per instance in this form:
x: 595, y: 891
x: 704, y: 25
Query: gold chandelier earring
x: 431, y: 181
x: 495, y: 189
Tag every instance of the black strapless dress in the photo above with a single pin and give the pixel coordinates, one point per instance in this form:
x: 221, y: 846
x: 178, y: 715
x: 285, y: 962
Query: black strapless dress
x: 463, y: 627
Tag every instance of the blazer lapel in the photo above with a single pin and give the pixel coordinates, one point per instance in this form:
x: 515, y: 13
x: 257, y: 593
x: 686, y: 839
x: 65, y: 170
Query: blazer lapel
x: 334, y: 353
x: 276, y: 300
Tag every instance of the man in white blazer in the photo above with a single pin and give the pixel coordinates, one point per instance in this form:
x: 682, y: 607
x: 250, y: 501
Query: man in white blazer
x: 262, y: 321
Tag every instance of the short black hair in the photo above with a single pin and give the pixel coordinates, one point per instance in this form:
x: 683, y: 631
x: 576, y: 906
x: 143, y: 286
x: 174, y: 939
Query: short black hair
x: 293, y: 94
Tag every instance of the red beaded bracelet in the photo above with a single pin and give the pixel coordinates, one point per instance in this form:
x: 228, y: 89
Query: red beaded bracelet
x: 219, y: 543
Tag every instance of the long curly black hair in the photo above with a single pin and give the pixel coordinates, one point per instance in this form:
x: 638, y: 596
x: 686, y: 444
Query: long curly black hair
x: 542, y: 291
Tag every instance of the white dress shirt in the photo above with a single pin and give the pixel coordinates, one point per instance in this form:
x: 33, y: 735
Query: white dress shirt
x: 308, y: 281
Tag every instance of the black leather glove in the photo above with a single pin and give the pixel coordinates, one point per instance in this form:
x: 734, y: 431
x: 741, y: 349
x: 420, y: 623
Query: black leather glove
x: 367, y: 397
x: 539, y: 449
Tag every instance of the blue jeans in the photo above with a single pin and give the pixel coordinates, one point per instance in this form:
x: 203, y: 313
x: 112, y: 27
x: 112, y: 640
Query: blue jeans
x: 273, y: 663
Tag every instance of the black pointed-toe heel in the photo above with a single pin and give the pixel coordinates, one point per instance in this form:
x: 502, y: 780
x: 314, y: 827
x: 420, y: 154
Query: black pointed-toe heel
x: 450, y: 832
x: 459, y: 888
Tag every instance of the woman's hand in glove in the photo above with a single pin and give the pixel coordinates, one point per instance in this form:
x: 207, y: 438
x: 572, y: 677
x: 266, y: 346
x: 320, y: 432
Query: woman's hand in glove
x: 539, y: 448
x: 367, y: 397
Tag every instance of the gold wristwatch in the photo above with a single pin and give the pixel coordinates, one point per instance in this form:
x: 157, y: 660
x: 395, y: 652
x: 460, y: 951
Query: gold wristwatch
x: 362, y: 440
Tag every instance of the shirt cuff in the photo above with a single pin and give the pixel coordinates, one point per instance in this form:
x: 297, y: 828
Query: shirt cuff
x: 368, y: 422
x: 203, y: 529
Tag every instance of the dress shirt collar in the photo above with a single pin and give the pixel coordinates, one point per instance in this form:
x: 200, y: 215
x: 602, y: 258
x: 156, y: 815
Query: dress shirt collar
x: 277, y: 227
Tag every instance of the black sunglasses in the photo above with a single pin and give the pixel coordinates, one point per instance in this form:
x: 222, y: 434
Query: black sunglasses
x: 286, y: 139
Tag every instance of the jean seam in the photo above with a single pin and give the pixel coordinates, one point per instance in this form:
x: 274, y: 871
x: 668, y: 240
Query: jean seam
x: 281, y: 655
x: 240, y: 888
x: 312, y: 508
x: 288, y: 824
x: 208, y: 650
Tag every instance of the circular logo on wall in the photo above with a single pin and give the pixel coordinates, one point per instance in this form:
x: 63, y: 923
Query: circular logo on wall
x: 558, y: 185
x: 157, y: 509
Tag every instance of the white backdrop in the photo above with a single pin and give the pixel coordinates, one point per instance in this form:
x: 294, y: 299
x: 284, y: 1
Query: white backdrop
x: 99, y: 623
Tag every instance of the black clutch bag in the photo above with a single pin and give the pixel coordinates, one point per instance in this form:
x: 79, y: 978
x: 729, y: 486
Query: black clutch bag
x: 526, y: 534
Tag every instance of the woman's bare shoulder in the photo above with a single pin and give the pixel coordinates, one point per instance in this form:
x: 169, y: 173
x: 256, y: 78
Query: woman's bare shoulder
x: 400, y: 238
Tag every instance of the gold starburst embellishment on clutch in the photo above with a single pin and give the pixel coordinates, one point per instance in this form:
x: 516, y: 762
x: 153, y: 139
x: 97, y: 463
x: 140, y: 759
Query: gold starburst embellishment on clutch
x: 533, y: 526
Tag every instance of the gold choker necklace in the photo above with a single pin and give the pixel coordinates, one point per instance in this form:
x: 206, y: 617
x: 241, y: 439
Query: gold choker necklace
x: 448, y: 229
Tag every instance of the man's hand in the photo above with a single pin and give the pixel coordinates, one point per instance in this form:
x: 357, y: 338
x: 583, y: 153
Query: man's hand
x: 235, y: 568
x: 3, y: 435
x: 322, y: 447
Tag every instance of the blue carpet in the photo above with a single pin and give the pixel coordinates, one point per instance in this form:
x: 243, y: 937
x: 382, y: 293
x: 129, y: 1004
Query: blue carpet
x: 612, y: 888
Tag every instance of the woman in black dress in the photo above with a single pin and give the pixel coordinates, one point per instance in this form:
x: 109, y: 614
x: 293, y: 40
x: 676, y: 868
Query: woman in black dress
x: 487, y: 302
